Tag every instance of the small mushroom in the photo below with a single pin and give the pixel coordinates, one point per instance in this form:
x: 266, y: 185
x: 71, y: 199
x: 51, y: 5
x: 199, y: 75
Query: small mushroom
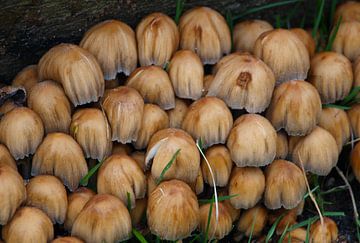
x: 21, y: 130
x: 253, y: 221
x: 104, y: 218
x: 138, y: 212
x: 347, y: 40
x: 306, y: 38
x: 327, y: 232
x: 348, y: 11
x: 248, y: 184
x: 186, y: 73
x: 354, y: 117
x: 122, y: 177
x: 49, y: 101
x: 90, y: 128
x: 29, y: 224
x: 6, y: 158
x: 67, y: 239
x: 124, y: 108
x: 297, y: 235
x: 205, y: 31
x: 76, y: 69
x: 252, y: 141
x: 208, y: 119
x: 285, y: 185
x: 113, y: 44
x: 173, y: 211
x: 246, y: 33
x: 284, y: 53
x: 61, y: 156
x: 296, y: 107
x: 177, y: 115
x: 282, y: 146
x: 27, y: 77
x: 119, y: 148
x: 356, y: 71
x: 139, y: 157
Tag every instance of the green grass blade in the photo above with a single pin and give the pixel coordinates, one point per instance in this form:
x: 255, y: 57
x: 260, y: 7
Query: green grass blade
x: 332, y: 12
x: 278, y: 23
x: 307, y: 239
x: 273, y: 228
x: 334, y: 189
x: 220, y: 199
x: 312, y: 191
x: 318, y: 18
x: 334, y: 214
x: 200, y: 144
x: 342, y: 107
x: 252, y: 226
x: 85, y: 180
x: 179, y: 9
x: 208, y: 223
x: 333, y: 35
x: 352, y: 95
x: 167, y: 167
x: 139, y: 236
x: 284, y: 233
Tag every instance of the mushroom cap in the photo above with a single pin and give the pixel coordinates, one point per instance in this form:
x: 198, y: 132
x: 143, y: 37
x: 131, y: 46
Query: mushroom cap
x: 76, y: 69
x: 76, y: 202
x: 12, y: 193
x: 21, y: 130
x: 252, y: 141
x: 6, y: 158
x: 29, y: 224
x: 47, y: 193
x: 355, y: 161
x: 49, y: 101
x: 138, y: 212
x: 113, y: 44
x: 246, y: 32
x: 324, y: 233
x: 244, y: 82
x: 154, y: 119
x: 27, y: 77
x: 253, y: 221
x: 282, y: 146
x: 354, y: 117
x: 122, y: 177
x: 331, y: 74
x: 177, y: 114
x: 285, y: 185
x: 306, y: 38
x: 139, y: 157
x: 61, y: 156
x: 347, y: 40
x: 349, y: 11
x: 124, y: 109
x: 296, y: 107
x: 205, y: 31
x: 317, y: 151
x: 207, y: 83
x: 221, y: 164
x: 248, y: 183
x: 173, y: 210
x: 7, y: 106
x: 186, y: 73
x: 104, y: 218
x: 356, y: 71
x: 208, y: 119
x: 158, y: 38
x: 219, y: 229
x: 284, y: 53
x: 67, y: 239
x: 154, y: 85
x: 161, y: 149
x: 119, y: 148
x: 90, y: 128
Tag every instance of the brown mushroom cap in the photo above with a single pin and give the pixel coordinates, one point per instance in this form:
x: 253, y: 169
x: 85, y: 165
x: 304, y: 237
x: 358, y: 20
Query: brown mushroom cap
x: 29, y: 224
x: 349, y: 11
x: 347, y: 39
x: 113, y: 44
x: 27, y: 77
x: 61, y: 156
x: 104, y: 218
x: 173, y: 210
x: 205, y: 31
x: 6, y: 158
x: 21, y: 130
x: 328, y: 232
x: 282, y: 145
x: 285, y: 185
x: 356, y: 71
x: 253, y: 221
x: 354, y: 117
x: 157, y: 38
x: 177, y: 115
x: 67, y: 239
x: 306, y: 38
x: 138, y: 212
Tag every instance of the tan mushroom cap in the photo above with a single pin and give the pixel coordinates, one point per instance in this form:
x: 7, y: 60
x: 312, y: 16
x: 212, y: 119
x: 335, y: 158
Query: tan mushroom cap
x: 282, y: 145
x: 354, y: 117
x: 6, y: 158
x: 347, y: 40
x: 349, y: 11
x: 306, y: 38
x: 253, y: 221
x: 328, y: 232
x: 67, y: 239
x: 177, y: 114
x: 27, y: 77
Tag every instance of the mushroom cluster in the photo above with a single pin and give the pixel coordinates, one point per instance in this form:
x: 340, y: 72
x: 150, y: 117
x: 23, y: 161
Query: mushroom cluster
x: 199, y: 136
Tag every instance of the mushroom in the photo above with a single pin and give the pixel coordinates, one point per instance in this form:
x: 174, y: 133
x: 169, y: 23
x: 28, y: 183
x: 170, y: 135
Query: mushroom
x: 113, y: 44
x: 247, y: 184
x: 49, y: 101
x: 354, y: 117
x: 104, y: 218
x: 198, y: 186
x: 252, y: 141
x: 253, y: 221
x: 61, y: 156
x: 122, y: 177
x: 306, y: 38
x: 27, y: 77
x: 47, y: 193
x: 332, y: 76
x: 207, y: 83
x: 317, y: 152
x: 119, y: 148
x: 154, y: 84
x: 186, y: 73
x: 6, y: 158
x: 296, y: 107
x: 154, y: 119
x: 21, y: 130
x: 327, y: 232
x: 76, y: 69
x: 12, y: 192
x: 221, y: 164
x: 29, y: 224
x: 337, y: 123
x: 158, y: 38
x: 297, y: 235
x: 168, y: 144
x: 138, y: 212
x: 348, y: 11
x: 356, y: 71
x: 347, y: 39
x: 173, y: 211
x: 76, y: 202
x: 124, y: 109
x: 284, y: 53
x: 243, y: 82
x: 355, y: 161
x: 7, y: 106
x: 285, y: 185
x: 67, y: 239
x: 208, y: 119
x: 90, y: 128
x: 246, y: 33
x: 215, y: 228
x: 176, y: 115
x: 282, y: 147
x: 205, y: 31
